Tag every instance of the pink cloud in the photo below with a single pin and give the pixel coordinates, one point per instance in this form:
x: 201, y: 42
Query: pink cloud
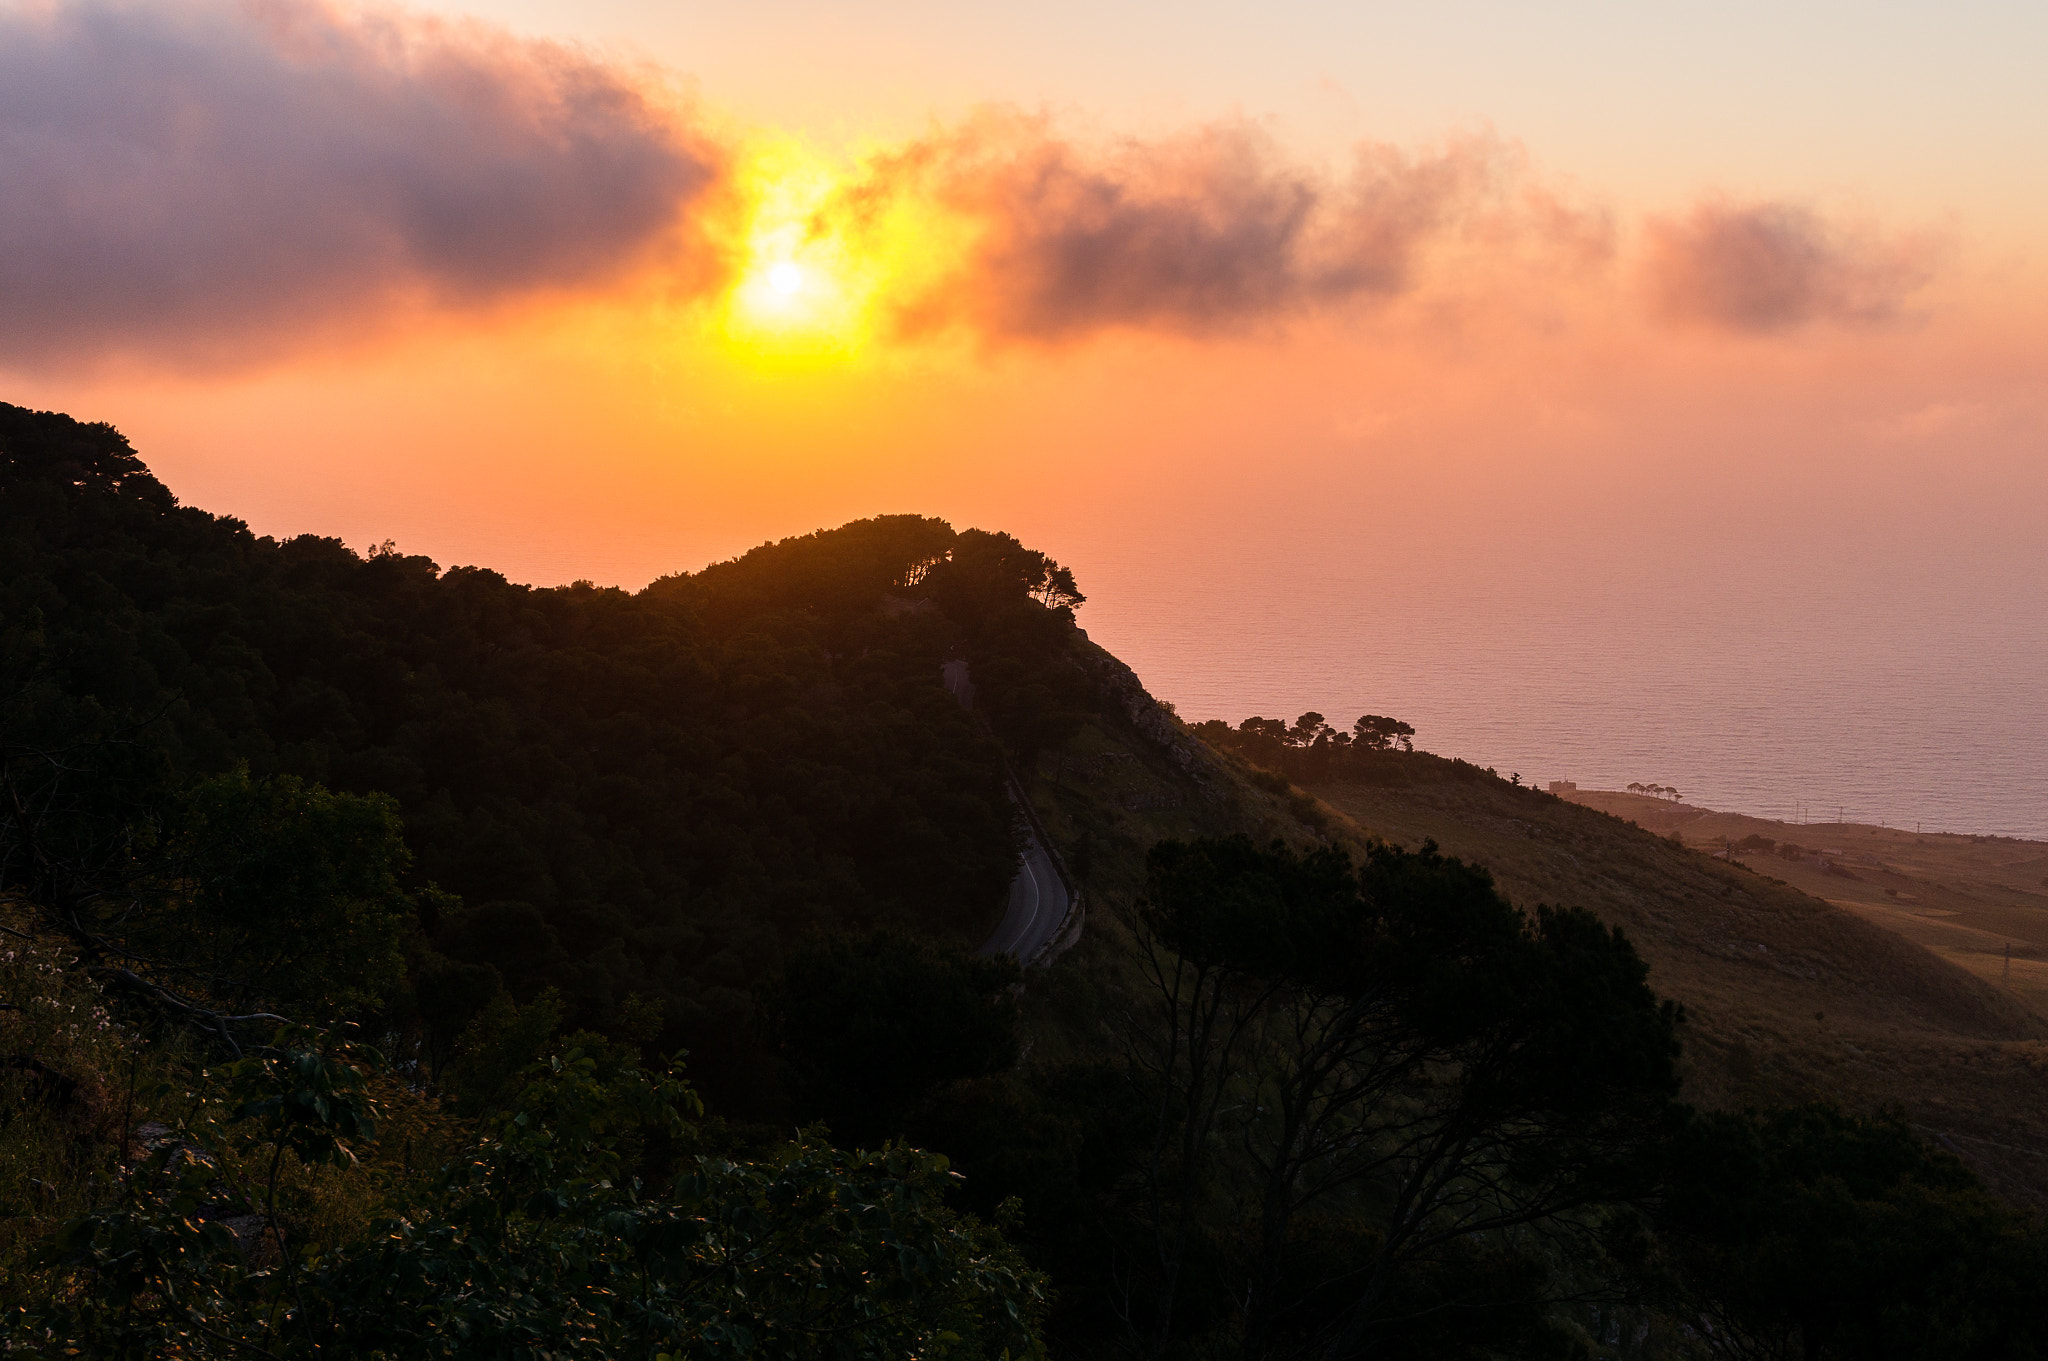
x: 1768, y: 267
x: 213, y: 179
x: 1210, y: 231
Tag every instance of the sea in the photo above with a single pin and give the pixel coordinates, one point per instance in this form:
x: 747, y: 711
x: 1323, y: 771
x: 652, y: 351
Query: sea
x: 1896, y: 689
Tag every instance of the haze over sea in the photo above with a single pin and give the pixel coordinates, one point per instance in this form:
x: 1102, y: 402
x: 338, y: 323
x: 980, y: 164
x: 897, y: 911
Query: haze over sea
x: 1872, y: 685
x: 1614, y: 392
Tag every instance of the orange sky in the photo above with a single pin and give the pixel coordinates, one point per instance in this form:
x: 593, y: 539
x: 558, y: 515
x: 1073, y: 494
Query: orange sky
x: 532, y: 307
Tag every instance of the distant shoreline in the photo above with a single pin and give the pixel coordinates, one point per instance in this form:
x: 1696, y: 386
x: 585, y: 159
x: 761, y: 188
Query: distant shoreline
x: 1625, y: 804
x: 1980, y: 901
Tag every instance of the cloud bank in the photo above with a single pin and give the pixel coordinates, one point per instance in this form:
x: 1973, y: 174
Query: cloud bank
x: 1207, y: 232
x: 1767, y: 267
x: 221, y: 181
x: 1218, y: 232
x: 179, y: 182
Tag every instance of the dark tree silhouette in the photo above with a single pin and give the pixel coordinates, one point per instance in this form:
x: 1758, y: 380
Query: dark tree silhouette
x: 1376, y: 732
x: 1817, y: 1234
x: 1388, y: 1052
x: 874, y: 1023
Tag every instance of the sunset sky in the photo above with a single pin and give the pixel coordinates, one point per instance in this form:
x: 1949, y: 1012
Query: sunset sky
x: 1247, y: 312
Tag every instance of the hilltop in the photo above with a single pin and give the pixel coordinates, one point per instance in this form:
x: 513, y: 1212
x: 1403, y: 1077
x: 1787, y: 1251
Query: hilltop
x: 632, y: 801
x: 532, y: 842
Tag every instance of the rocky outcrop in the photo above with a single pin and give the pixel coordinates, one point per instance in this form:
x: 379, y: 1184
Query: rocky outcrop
x: 1152, y: 720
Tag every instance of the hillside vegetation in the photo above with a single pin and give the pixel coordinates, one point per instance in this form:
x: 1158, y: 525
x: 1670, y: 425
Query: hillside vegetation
x: 639, y: 800
x: 1788, y: 996
x: 1980, y: 902
x: 357, y: 914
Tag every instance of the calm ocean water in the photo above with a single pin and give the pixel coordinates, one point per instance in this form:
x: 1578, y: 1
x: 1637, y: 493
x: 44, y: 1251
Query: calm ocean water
x: 1884, y: 690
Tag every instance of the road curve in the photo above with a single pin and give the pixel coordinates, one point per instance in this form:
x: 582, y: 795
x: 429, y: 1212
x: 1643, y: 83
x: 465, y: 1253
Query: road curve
x: 1039, y: 903
x: 1039, y: 900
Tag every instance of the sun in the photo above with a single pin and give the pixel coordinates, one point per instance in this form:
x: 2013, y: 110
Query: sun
x: 797, y: 292
x: 815, y: 279
x: 792, y: 307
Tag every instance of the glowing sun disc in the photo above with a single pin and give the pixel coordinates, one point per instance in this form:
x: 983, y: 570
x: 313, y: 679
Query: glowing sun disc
x: 786, y: 279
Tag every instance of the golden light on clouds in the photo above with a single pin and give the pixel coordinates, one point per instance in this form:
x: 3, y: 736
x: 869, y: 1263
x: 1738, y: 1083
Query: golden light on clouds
x: 823, y: 270
x: 800, y: 291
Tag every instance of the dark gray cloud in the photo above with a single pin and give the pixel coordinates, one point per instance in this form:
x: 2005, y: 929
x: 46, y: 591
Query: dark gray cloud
x: 206, y: 180
x: 1209, y: 231
x: 1768, y: 267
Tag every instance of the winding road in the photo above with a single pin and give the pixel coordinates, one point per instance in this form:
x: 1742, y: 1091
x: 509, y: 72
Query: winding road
x: 1039, y: 897
x: 1038, y: 907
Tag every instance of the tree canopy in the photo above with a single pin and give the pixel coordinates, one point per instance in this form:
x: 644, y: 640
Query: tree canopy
x: 617, y: 795
x: 355, y: 909
x: 1386, y: 1062
x: 1309, y: 748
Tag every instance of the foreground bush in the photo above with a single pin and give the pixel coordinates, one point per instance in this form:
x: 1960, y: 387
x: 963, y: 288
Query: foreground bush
x: 576, y: 1224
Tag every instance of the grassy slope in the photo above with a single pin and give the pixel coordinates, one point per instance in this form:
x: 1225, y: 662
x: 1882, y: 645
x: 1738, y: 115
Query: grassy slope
x: 1128, y: 779
x: 1980, y: 902
x: 1788, y: 996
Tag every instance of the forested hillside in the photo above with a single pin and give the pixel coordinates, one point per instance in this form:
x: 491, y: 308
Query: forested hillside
x: 358, y: 913
x: 627, y: 795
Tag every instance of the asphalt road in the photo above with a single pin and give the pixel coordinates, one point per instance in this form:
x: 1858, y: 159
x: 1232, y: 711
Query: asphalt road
x: 1038, y: 896
x: 1038, y: 904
